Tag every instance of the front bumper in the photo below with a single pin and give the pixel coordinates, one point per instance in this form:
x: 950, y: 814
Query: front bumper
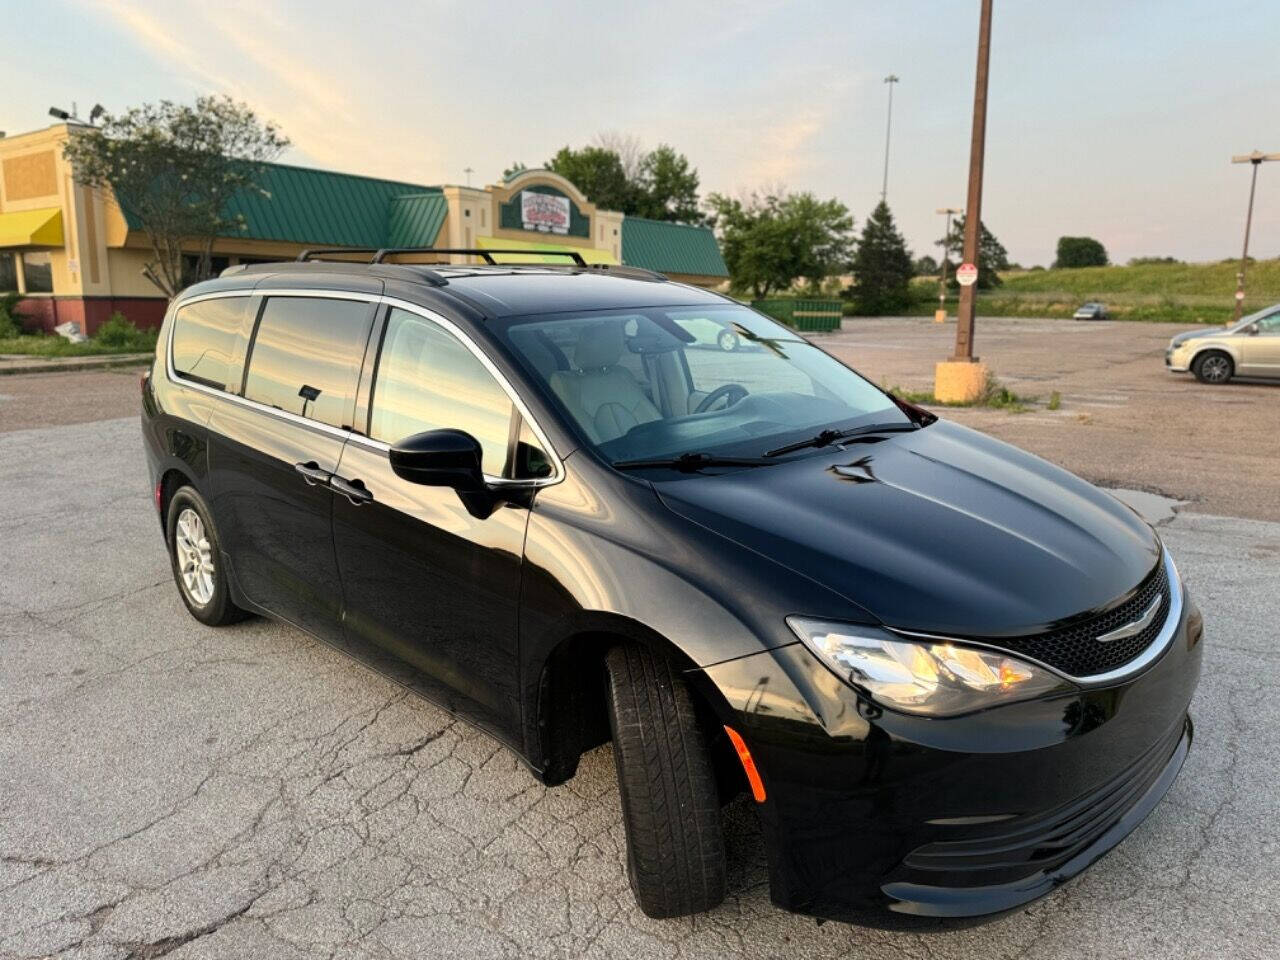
x: 879, y: 817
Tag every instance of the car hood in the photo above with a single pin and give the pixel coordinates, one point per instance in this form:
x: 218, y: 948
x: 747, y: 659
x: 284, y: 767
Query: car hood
x: 944, y: 530
x: 1196, y: 334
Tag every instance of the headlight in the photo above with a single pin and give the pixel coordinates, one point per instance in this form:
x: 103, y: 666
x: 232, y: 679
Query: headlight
x: 931, y: 678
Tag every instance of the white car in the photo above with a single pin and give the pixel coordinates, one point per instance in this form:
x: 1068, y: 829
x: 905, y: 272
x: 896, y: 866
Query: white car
x: 1249, y: 348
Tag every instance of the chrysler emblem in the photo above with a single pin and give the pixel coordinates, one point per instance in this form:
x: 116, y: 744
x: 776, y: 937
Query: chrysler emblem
x: 1137, y: 626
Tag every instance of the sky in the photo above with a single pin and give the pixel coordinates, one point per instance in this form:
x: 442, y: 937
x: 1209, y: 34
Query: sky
x: 1115, y: 119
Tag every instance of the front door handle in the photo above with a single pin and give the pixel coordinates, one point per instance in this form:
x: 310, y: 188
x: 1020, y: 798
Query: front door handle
x: 312, y: 473
x: 353, y: 490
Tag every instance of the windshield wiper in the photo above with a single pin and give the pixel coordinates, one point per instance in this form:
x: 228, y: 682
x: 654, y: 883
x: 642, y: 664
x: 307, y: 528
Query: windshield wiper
x: 827, y: 437
x: 689, y: 462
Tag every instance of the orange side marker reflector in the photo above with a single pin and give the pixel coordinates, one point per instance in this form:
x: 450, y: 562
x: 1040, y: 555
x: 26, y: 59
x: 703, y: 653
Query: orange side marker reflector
x: 748, y: 764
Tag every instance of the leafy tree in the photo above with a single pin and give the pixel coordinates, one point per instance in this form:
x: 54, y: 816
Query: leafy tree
x: 175, y: 167
x: 598, y: 173
x: 667, y: 187
x: 617, y: 175
x: 926, y: 266
x: 1080, y: 252
x: 769, y: 241
x: 992, y: 256
x: 882, y: 267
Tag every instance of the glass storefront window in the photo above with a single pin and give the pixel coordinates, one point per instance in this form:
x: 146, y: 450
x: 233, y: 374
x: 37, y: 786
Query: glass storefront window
x: 8, y: 273
x: 37, y: 268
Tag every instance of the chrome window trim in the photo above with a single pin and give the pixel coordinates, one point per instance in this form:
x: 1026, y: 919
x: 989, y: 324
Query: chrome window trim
x: 441, y: 321
x: 1150, y: 655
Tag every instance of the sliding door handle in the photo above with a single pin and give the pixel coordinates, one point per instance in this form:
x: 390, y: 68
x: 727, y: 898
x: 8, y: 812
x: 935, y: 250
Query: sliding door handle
x: 312, y: 473
x: 353, y: 490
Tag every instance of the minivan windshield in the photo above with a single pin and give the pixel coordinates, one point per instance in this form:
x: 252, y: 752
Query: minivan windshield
x: 654, y: 383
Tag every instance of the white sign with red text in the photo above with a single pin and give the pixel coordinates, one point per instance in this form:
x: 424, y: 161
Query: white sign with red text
x: 967, y: 275
x: 544, y: 212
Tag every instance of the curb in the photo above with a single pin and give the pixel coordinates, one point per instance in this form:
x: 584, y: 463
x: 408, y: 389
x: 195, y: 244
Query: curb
x: 71, y: 364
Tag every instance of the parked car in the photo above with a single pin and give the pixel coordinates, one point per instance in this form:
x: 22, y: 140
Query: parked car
x: 949, y: 674
x: 1091, y: 310
x: 1249, y: 348
x: 709, y: 332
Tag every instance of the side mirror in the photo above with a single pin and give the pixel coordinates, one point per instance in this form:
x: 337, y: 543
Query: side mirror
x: 440, y: 458
x: 1251, y: 329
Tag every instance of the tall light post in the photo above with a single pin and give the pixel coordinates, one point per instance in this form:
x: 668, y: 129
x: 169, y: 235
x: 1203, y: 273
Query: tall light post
x: 941, y: 315
x: 960, y: 378
x: 888, y: 129
x: 1256, y: 158
x: 468, y: 171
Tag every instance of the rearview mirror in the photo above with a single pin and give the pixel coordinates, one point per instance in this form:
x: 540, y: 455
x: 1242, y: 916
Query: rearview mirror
x: 440, y: 458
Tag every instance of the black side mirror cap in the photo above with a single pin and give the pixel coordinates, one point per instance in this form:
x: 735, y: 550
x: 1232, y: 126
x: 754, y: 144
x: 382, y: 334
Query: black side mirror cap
x: 440, y: 458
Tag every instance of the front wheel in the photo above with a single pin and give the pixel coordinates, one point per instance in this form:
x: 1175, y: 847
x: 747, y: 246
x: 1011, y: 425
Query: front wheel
x: 1213, y: 366
x: 727, y: 340
x: 196, y: 560
x: 670, y: 803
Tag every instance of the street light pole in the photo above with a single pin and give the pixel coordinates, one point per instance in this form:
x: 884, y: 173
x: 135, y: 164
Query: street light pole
x: 888, y: 129
x: 946, y: 253
x: 1257, y: 159
x: 973, y: 206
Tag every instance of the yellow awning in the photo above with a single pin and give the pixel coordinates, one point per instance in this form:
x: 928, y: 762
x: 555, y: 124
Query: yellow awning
x: 31, y: 228
x: 498, y: 243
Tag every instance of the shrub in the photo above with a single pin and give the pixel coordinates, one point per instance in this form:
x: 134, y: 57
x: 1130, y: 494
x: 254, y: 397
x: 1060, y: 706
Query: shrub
x: 10, y: 319
x: 119, y: 333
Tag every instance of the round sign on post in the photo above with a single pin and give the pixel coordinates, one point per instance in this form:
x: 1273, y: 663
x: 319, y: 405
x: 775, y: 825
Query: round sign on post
x: 967, y: 275
x: 1239, y: 294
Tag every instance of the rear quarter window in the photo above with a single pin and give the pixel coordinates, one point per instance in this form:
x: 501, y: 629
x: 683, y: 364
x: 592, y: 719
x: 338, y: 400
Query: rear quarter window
x: 204, y: 341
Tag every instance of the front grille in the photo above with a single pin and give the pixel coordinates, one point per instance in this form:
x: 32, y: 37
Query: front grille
x: 1049, y: 839
x: 1075, y: 650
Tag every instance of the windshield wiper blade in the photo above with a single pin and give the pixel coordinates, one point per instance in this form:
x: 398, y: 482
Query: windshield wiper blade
x: 689, y: 462
x: 827, y: 437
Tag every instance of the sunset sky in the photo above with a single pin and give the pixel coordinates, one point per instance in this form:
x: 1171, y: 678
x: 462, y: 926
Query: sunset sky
x: 1112, y: 119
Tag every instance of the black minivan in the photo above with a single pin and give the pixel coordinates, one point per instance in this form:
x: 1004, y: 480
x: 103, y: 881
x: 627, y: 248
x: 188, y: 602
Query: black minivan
x: 950, y: 674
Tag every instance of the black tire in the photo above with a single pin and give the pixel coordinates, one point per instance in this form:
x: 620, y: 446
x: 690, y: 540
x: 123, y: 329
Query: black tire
x: 217, y: 610
x: 1213, y: 366
x: 670, y: 803
x: 727, y: 341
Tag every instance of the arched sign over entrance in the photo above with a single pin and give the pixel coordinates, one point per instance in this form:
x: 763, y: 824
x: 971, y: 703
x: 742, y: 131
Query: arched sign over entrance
x: 539, y: 201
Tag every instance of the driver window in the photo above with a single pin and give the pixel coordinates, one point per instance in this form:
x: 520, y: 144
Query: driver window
x: 427, y: 379
x: 1269, y: 324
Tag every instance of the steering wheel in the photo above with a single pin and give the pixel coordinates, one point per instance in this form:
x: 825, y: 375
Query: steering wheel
x: 731, y: 392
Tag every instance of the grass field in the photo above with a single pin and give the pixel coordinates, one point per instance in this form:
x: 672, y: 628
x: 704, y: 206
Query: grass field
x: 1173, y: 292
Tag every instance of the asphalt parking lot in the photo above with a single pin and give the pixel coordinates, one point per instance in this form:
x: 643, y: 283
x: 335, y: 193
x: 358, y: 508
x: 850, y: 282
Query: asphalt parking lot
x: 171, y: 790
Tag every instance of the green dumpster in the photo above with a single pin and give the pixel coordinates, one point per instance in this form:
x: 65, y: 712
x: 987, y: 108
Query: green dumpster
x: 811, y: 316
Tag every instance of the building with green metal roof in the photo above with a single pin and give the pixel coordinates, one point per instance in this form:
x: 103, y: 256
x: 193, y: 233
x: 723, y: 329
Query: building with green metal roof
x: 77, y: 255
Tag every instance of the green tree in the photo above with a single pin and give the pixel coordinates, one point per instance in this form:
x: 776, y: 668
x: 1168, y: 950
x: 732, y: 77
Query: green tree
x: 1080, y: 252
x: 598, y: 173
x: 992, y: 256
x: 770, y: 241
x: 882, y: 267
x: 926, y: 266
x: 666, y: 188
x: 176, y: 167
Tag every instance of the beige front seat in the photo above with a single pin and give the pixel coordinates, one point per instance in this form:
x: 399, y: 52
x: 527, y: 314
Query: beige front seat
x: 603, y: 396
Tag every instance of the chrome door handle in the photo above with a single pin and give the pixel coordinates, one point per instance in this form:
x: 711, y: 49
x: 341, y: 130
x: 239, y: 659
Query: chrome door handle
x: 353, y: 490
x: 312, y: 473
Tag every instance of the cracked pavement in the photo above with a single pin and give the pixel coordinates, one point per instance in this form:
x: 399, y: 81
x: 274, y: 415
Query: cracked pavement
x: 167, y: 789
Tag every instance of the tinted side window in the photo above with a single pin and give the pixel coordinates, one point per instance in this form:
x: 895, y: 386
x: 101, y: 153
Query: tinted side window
x: 306, y: 357
x: 427, y: 379
x: 204, y: 340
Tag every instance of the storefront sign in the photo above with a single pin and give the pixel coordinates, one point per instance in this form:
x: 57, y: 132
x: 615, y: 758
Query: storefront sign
x: 544, y: 212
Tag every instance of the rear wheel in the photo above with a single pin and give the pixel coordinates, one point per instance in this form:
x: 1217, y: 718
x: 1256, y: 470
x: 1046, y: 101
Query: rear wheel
x: 670, y: 803
x: 1213, y: 366
x: 727, y: 340
x: 196, y: 560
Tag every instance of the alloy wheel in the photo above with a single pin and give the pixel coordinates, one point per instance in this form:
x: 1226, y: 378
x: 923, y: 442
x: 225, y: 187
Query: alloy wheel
x: 1215, y: 369
x: 195, y: 557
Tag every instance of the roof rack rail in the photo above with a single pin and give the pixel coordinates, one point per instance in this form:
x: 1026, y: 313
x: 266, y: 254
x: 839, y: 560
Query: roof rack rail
x: 381, y: 255
x: 319, y: 252
x: 623, y: 270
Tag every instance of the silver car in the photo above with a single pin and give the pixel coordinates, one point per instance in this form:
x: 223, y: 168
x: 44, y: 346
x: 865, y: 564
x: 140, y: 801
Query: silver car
x: 1249, y: 348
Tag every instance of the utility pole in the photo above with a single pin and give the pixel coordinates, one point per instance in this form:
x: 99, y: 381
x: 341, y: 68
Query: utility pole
x: 468, y: 171
x: 973, y: 206
x: 941, y: 315
x: 888, y: 129
x: 1257, y: 159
